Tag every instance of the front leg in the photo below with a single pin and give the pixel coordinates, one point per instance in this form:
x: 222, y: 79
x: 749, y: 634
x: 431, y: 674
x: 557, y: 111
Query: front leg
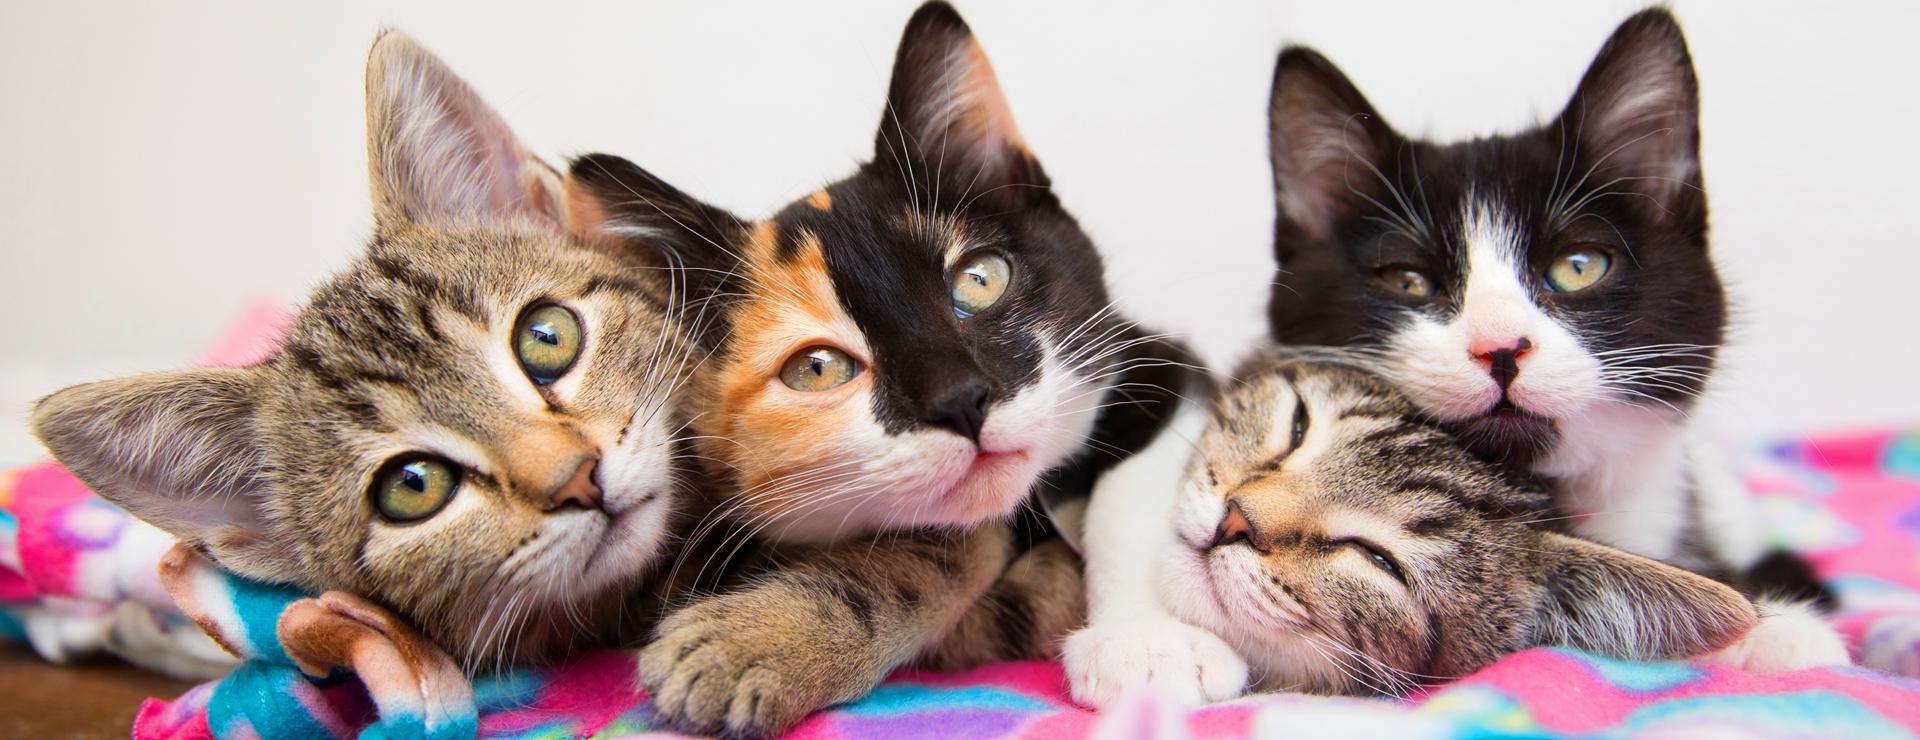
x: 1132, y: 638
x: 1026, y: 615
x: 822, y: 627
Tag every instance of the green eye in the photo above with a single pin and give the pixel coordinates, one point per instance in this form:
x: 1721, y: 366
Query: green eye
x: 980, y: 283
x: 818, y: 369
x: 1578, y: 270
x: 1407, y: 282
x: 414, y: 487
x: 547, y: 340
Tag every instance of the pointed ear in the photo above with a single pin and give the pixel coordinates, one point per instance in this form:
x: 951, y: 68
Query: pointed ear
x: 437, y: 153
x: 615, y: 204
x: 947, y: 128
x: 1325, y: 141
x: 1607, y: 601
x: 179, y: 450
x: 1634, y: 120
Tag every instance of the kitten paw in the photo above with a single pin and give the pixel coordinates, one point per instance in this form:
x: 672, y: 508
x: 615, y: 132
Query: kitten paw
x: 734, y: 666
x: 1187, y: 664
x: 1789, y: 637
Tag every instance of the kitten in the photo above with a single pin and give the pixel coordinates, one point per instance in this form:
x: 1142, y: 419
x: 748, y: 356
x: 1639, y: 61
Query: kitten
x: 1547, y: 294
x: 904, y: 355
x: 473, y: 424
x: 1336, y: 540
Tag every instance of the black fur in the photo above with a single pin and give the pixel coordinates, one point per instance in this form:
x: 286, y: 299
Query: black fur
x: 1787, y: 576
x: 892, y: 277
x: 1662, y: 289
x: 1390, y: 202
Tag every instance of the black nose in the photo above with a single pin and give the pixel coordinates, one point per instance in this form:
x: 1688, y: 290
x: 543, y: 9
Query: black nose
x: 962, y: 408
x: 1505, y: 367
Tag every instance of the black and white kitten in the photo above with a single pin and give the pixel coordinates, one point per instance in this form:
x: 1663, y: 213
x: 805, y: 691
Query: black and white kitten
x: 1547, y: 294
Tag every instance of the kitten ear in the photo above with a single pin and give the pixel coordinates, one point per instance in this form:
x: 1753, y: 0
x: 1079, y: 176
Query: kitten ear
x: 1608, y: 601
x: 437, y: 153
x: 1325, y: 142
x: 178, y: 449
x: 1635, y: 116
x: 615, y: 203
x: 947, y: 127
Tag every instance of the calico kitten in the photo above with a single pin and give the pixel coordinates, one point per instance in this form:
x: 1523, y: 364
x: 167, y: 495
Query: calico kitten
x: 473, y: 423
x: 1547, y: 294
x: 1333, y: 537
x: 908, y: 351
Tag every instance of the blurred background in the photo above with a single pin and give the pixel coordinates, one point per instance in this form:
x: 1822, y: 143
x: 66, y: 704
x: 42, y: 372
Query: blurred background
x: 165, y: 165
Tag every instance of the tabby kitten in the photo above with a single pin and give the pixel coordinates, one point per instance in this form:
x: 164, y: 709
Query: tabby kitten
x: 1548, y: 294
x: 1331, y: 537
x: 904, y: 355
x: 473, y: 424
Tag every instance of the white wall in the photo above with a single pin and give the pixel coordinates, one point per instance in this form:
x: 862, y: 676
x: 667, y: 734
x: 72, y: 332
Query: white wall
x: 161, y: 165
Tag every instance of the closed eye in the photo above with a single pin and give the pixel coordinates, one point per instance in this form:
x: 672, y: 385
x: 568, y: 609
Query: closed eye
x: 1300, y: 422
x: 1378, y: 556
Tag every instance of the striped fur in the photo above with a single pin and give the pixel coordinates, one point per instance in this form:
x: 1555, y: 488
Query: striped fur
x: 1485, y: 570
x: 268, y: 469
x: 1341, y: 542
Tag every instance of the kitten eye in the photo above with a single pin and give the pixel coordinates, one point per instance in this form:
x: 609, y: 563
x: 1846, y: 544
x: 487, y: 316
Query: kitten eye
x: 1299, y: 424
x: 818, y: 369
x: 1407, y: 282
x: 547, y: 339
x: 414, y: 487
x: 1578, y: 270
x: 1379, y: 558
x: 980, y: 283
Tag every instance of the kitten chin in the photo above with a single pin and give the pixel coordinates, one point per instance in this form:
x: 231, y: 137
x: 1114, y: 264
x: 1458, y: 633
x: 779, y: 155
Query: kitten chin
x: 1510, y: 434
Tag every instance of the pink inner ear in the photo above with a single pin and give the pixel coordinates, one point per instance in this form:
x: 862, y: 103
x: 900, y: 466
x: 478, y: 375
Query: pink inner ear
x: 253, y: 337
x: 983, y: 105
x: 524, y: 186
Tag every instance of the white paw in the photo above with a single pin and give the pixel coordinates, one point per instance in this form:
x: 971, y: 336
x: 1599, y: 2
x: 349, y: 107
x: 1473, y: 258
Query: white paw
x: 1789, y: 637
x: 1182, y: 662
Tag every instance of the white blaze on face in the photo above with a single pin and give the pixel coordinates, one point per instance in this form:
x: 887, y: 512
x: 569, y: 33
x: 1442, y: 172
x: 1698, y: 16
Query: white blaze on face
x: 1443, y: 366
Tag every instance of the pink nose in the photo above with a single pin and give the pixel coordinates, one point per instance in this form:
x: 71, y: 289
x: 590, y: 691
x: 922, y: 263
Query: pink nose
x: 1482, y: 348
x: 1501, y: 358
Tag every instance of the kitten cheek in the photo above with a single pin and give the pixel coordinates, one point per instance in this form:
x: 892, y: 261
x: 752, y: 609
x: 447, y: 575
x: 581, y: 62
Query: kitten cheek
x: 1184, y: 578
x: 641, y: 468
x: 1434, y: 369
x: 1196, y: 514
x: 1561, y: 381
x: 393, y: 548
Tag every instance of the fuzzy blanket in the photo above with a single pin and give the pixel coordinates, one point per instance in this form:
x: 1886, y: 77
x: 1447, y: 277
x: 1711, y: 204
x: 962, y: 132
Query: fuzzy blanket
x: 77, y: 575
x: 321, y: 668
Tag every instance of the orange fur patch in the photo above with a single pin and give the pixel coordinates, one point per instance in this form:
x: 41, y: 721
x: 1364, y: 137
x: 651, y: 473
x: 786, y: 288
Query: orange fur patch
x: 790, y: 305
x: 820, y: 200
x: 586, y: 216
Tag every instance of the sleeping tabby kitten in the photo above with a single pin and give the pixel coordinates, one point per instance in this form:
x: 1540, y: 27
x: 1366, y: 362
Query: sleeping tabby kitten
x: 905, y: 354
x: 1548, y: 295
x: 1330, y: 536
x: 473, y: 424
